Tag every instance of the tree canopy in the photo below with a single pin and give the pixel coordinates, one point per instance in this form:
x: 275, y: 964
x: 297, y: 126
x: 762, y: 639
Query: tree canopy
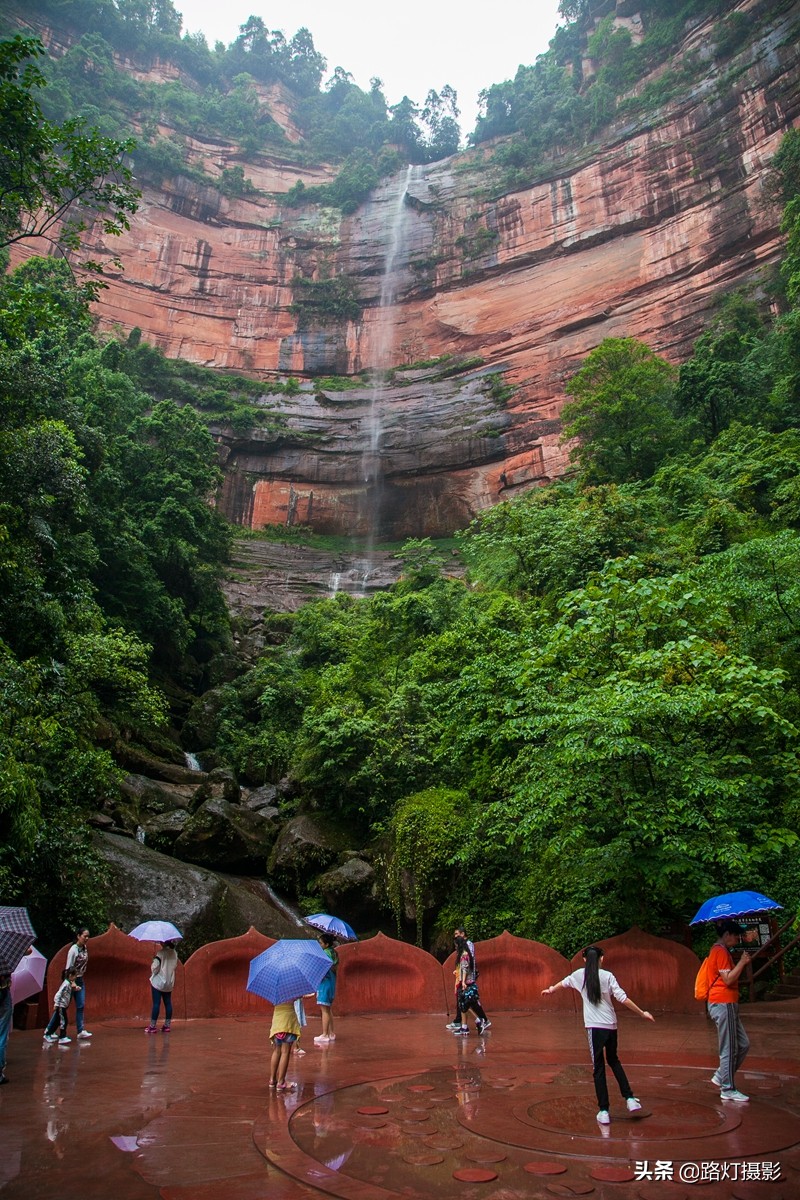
x: 54, y: 179
x: 110, y: 552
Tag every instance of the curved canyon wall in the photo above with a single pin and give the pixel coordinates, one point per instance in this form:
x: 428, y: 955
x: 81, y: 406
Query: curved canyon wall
x: 636, y: 236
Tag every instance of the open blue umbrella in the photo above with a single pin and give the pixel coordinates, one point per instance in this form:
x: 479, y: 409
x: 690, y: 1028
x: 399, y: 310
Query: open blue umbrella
x: 733, y: 905
x: 290, y: 968
x: 332, y: 925
x: 156, y: 931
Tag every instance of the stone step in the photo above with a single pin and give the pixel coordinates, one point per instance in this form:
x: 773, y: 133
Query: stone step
x: 785, y: 991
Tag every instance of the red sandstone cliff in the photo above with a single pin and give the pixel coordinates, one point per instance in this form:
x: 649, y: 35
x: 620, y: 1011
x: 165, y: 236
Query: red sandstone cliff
x: 635, y: 237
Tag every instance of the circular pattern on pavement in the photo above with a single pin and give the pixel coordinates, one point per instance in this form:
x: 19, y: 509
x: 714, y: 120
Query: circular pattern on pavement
x: 464, y: 1124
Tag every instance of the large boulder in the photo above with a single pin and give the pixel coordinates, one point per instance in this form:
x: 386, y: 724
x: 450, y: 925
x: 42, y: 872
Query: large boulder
x: 304, y: 848
x: 220, y: 784
x: 267, y: 796
x: 142, y: 803
x: 228, y: 836
x: 144, y: 884
x: 136, y: 760
x: 200, y: 728
x: 350, y: 888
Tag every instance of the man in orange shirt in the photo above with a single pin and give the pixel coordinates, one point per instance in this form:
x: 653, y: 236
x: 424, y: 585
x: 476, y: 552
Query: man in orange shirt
x: 723, y: 1007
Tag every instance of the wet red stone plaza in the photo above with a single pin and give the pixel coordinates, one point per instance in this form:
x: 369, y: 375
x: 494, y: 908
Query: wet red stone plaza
x: 398, y: 1107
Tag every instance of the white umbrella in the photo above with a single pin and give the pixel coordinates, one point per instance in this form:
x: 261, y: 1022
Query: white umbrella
x: 156, y: 931
x: 28, y: 978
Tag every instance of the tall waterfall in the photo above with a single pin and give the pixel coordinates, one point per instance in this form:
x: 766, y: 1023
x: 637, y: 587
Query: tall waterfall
x: 383, y: 344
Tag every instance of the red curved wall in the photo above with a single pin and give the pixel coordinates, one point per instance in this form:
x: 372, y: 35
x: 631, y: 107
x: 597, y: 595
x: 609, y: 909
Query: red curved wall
x: 375, y: 976
x: 117, y: 979
x: 384, y: 975
x: 216, y: 978
x: 655, y: 972
x: 512, y: 972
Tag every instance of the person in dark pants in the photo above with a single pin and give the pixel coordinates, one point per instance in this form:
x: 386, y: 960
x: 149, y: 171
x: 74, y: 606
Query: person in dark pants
x: 56, y: 1030
x: 467, y: 997
x: 596, y: 988
x: 162, y: 981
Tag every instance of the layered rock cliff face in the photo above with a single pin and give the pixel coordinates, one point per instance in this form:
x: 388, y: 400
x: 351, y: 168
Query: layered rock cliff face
x: 636, y: 236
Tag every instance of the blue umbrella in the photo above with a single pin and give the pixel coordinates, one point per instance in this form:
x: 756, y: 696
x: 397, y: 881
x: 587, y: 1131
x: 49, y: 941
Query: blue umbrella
x: 156, y: 931
x: 732, y: 905
x: 333, y: 925
x: 288, y: 969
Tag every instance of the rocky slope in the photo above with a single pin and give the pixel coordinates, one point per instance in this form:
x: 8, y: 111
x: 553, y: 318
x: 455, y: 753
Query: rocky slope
x: 636, y: 236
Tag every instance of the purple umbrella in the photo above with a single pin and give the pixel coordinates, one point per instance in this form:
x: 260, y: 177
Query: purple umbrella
x: 16, y: 935
x: 332, y: 925
x: 156, y: 931
x: 28, y: 978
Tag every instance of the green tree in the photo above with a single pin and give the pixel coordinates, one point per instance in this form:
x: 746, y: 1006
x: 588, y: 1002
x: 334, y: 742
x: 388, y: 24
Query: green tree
x: 54, y: 180
x: 440, y: 116
x: 425, y: 838
x: 621, y: 412
x: 656, y: 757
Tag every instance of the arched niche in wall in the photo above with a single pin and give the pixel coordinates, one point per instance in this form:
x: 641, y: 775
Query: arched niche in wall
x: 512, y: 973
x: 117, y: 978
x: 656, y: 973
x: 216, y: 978
x: 385, y: 975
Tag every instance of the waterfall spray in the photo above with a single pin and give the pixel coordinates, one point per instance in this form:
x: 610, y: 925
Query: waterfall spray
x: 397, y: 233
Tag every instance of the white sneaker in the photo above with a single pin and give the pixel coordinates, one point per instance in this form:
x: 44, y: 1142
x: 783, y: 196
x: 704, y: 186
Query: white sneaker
x: 603, y: 1118
x: 733, y: 1094
x: 321, y: 1039
x: 715, y: 1079
x: 64, y: 1041
x: 633, y: 1104
x: 84, y: 1033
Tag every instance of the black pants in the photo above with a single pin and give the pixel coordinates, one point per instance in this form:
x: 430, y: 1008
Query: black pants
x: 468, y: 1000
x: 57, y: 1023
x: 603, y: 1048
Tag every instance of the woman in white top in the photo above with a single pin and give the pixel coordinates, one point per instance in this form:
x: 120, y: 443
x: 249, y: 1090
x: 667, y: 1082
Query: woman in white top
x: 162, y: 981
x: 77, y: 960
x: 596, y: 988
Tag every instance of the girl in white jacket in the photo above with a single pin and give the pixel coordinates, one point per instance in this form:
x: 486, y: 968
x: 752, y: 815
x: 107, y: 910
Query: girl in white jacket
x: 596, y: 988
x: 162, y: 981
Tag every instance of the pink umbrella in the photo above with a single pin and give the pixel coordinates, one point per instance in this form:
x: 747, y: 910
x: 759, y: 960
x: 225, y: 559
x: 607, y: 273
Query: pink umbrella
x: 28, y: 978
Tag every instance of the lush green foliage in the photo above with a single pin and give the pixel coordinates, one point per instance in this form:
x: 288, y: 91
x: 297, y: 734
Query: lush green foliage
x: 54, y: 178
x: 425, y: 839
x: 620, y: 412
x: 601, y: 724
x: 109, y: 548
x: 323, y: 299
x: 220, y: 92
x: 593, y: 72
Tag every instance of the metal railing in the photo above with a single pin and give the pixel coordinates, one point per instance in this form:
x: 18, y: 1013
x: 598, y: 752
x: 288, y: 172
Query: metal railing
x: 772, y: 953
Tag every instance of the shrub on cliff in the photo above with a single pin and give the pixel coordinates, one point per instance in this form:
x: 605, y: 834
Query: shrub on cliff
x: 622, y: 412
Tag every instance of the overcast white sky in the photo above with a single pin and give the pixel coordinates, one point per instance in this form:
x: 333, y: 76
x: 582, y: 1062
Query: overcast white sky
x: 412, y: 45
